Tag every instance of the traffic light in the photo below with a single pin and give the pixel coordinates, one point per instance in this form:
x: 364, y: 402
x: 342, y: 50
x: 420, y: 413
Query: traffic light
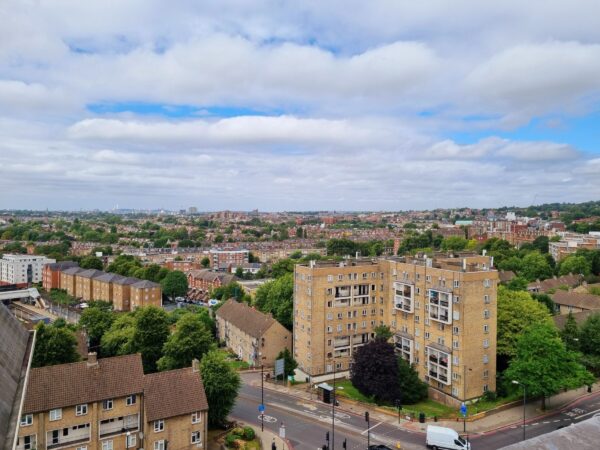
x: 344, y: 444
x: 366, y: 416
x: 327, y: 436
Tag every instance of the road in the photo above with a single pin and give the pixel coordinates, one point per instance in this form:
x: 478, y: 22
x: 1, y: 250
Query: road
x: 306, y: 423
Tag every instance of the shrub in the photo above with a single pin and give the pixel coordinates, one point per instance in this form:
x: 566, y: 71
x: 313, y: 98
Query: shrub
x: 490, y: 396
x: 248, y: 433
x: 230, y: 440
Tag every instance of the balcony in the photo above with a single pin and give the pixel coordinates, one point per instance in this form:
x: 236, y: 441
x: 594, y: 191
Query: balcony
x: 118, y: 425
x: 341, y: 353
x: 68, y: 437
x: 342, y: 291
x: 341, y: 342
x: 342, y: 302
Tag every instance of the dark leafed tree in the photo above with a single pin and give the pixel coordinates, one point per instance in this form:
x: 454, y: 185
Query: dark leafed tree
x: 54, y: 344
x: 413, y: 390
x: 174, y: 284
x: 570, y: 333
x: 151, y: 333
x: 221, y: 384
x: 375, y: 371
x: 192, y: 339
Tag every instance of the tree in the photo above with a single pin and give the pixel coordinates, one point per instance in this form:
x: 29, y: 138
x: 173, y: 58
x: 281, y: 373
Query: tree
x: 91, y: 262
x: 174, y: 284
x: 221, y: 385
x: 547, y: 301
x: 517, y: 284
x: 54, y: 344
x: 454, y: 243
x: 282, y: 267
x: 191, y: 340
x: 570, y: 333
x: 535, y: 266
x: 239, y: 272
x: 575, y: 265
x: 589, y: 335
x: 205, y: 262
x: 516, y: 311
x: 383, y: 332
x: 151, y: 333
x: 543, y: 364
x: 277, y: 297
x: 118, y: 340
x: 289, y: 363
x: 96, y: 321
x: 412, y: 389
x: 375, y: 371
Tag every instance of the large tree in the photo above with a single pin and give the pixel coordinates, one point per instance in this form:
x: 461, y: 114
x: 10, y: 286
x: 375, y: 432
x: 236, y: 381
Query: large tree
x: 221, y: 384
x: 516, y: 311
x: 96, y: 321
x: 118, y: 340
x: 570, y: 333
x: 277, y: 297
x: 412, y: 389
x: 543, y: 364
x: 575, y: 265
x: 151, y: 333
x: 375, y: 371
x: 589, y: 335
x: 191, y: 340
x: 54, y: 344
x: 289, y: 363
x: 91, y: 262
x: 535, y: 266
x: 174, y: 284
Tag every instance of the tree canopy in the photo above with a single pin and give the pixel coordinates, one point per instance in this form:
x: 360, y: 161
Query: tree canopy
x: 96, y: 321
x: 175, y: 284
x: 54, y: 344
x: 91, y: 262
x: 412, y: 388
x: 575, y: 265
x: 221, y: 384
x: 277, y: 297
x: 151, y: 333
x: 191, y: 340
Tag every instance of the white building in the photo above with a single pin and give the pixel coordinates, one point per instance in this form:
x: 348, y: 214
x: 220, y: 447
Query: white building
x: 18, y: 269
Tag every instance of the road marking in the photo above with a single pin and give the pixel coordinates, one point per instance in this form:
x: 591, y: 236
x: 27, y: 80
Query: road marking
x: 268, y: 419
x: 537, y: 423
x: 587, y: 414
x: 546, y: 422
x: 369, y: 429
x: 557, y: 420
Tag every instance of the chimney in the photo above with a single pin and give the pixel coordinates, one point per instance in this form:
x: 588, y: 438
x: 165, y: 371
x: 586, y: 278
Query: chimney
x: 195, y: 365
x: 92, y: 360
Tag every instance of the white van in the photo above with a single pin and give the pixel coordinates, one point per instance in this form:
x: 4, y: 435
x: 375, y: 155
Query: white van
x: 445, y: 438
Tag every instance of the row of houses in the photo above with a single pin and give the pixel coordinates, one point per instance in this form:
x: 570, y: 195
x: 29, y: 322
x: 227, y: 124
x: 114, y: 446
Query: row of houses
x: 125, y: 293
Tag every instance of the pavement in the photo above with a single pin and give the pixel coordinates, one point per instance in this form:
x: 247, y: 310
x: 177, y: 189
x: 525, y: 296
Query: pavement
x: 299, y: 407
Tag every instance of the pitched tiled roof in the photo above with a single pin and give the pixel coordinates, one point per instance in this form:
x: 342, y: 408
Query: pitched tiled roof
x: 173, y: 393
x: 583, y: 301
x: 554, y: 283
x: 245, y: 318
x: 62, y: 265
x: 91, y: 273
x: 125, y: 280
x: 579, y: 317
x: 109, y: 277
x: 73, y: 270
x: 505, y: 275
x: 76, y: 383
x: 145, y: 284
x: 209, y: 275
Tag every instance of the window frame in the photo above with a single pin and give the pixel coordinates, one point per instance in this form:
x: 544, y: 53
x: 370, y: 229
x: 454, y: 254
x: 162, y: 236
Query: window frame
x: 28, y: 420
x: 195, y: 437
x: 198, y: 416
x: 80, y: 408
x: 131, y: 400
x: 158, y: 425
x: 54, y: 412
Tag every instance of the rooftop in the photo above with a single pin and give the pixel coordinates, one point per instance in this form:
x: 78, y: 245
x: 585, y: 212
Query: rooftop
x: 245, y: 318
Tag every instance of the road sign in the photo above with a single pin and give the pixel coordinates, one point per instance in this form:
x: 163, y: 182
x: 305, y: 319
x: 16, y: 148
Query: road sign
x: 279, y: 367
x: 261, y: 408
x: 463, y: 409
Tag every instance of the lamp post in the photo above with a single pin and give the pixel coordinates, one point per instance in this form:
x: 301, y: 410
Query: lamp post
x: 262, y: 396
x: 367, y: 419
x: 333, y: 400
x: 524, y: 402
x: 465, y: 396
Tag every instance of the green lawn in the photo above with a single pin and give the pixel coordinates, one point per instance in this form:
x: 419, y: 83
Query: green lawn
x: 233, y: 362
x: 429, y: 407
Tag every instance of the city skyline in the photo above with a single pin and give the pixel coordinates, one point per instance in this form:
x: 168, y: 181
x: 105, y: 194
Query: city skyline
x: 319, y: 106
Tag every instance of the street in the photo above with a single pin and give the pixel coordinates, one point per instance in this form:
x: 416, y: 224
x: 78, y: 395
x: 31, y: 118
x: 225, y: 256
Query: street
x: 306, y: 422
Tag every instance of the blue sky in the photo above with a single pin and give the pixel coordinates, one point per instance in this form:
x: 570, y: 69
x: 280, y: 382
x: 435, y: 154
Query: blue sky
x: 312, y: 105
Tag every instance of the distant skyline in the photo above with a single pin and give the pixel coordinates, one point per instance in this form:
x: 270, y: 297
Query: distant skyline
x: 329, y: 105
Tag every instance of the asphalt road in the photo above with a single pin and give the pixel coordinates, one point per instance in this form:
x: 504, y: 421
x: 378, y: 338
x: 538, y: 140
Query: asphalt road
x: 306, y: 423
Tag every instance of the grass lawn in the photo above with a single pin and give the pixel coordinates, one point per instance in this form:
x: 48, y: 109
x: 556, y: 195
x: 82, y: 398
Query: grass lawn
x: 233, y: 362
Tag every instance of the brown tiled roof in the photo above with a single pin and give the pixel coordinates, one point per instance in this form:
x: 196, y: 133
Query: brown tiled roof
x: 125, y: 280
x: 173, y: 393
x: 209, y: 275
x: 245, y: 318
x: 583, y: 301
x: 73, y: 384
x: 505, y: 275
x: 91, y: 273
x: 554, y: 283
x: 145, y: 284
x: 580, y: 317
x: 108, y: 277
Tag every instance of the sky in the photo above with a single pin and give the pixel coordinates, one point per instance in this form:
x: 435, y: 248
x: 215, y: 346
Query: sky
x: 312, y: 105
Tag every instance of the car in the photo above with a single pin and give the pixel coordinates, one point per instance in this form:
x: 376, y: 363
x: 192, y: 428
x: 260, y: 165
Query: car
x: 447, y: 438
x: 379, y: 447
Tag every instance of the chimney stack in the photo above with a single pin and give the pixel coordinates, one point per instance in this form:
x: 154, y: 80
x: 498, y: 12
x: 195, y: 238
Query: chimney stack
x: 92, y: 360
x: 195, y: 365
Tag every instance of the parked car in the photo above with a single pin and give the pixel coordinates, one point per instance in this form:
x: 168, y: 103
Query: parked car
x: 445, y: 438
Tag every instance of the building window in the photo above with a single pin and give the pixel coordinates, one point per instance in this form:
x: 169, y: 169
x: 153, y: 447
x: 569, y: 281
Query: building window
x: 159, y: 425
x: 330, y: 278
x: 81, y: 410
x: 196, y: 417
x: 455, y: 392
x: 130, y: 400
x: 455, y: 360
x: 107, y: 405
x: 29, y: 442
x: 455, y: 330
x: 329, y: 329
x: 404, y: 347
x: 485, y: 388
x: 159, y: 445
x: 56, y: 414
x: 487, y: 283
x: 486, y: 314
x: 486, y: 343
x: 456, y: 283
x: 26, y: 420
x: 130, y: 440
x: 427, y: 335
x: 486, y: 298
x: 195, y: 437
x: 486, y: 373
x: 486, y: 359
x: 438, y: 365
x: 404, y: 297
x: 84, y: 447
x: 107, y: 445
x: 486, y: 328
x: 455, y: 344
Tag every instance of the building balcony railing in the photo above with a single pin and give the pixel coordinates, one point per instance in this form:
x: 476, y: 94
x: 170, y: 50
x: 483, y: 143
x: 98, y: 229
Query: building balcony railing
x: 341, y: 342
x: 66, y: 442
x: 118, y: 425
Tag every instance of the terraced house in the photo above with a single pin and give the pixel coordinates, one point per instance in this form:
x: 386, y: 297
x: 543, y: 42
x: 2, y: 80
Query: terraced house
x: 442, y: 311
x: 109, y: 404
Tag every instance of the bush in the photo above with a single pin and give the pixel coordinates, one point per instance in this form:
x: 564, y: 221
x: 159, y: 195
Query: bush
x: 238, y: 431
x: 248, y: 433
x: 230, y: 440
x: 490, y: 396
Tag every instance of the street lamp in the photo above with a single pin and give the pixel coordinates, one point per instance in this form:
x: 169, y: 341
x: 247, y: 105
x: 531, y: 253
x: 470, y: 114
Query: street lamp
x: 333, y: 400
x: 524, y: 401
x: 367, y: 419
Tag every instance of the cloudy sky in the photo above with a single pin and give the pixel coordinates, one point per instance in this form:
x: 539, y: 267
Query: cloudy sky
x: 324, y: 104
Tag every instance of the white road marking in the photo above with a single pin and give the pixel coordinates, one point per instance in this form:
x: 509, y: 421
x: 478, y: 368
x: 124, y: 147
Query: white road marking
x: 267, y: 418
x: 369, y: 429
x: 587, y: 414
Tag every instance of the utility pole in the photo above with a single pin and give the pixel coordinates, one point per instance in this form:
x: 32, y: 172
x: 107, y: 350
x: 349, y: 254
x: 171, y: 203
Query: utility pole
x: 333, y: 412
x: 262, y: 397
x: 368, y: 420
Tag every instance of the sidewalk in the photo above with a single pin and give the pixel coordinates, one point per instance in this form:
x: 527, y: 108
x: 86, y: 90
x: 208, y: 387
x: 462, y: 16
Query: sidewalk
x: 267, y: 438
x: 493, y: 421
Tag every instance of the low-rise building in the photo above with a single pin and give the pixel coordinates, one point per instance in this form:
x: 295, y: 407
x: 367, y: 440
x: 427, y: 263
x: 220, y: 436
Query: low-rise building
x: 85, y: 283
x: 221, y: 259
x: 68, y: 281
x: 109, y: 403
x: 566, y: 302
x: 102, y: 286
x: 145, y: 293
x: 22, y: 269
x: 255, y: 337
x: 554, y: 283
x: 206, y: 280
x: 121, y: 291
x: 51, y: 273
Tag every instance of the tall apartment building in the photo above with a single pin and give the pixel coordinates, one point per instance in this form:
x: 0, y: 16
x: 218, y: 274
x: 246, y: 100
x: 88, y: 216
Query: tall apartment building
x: 441, y: 310
x: 109, y: 404
x: 22, y: 269
x: 221, y: 259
